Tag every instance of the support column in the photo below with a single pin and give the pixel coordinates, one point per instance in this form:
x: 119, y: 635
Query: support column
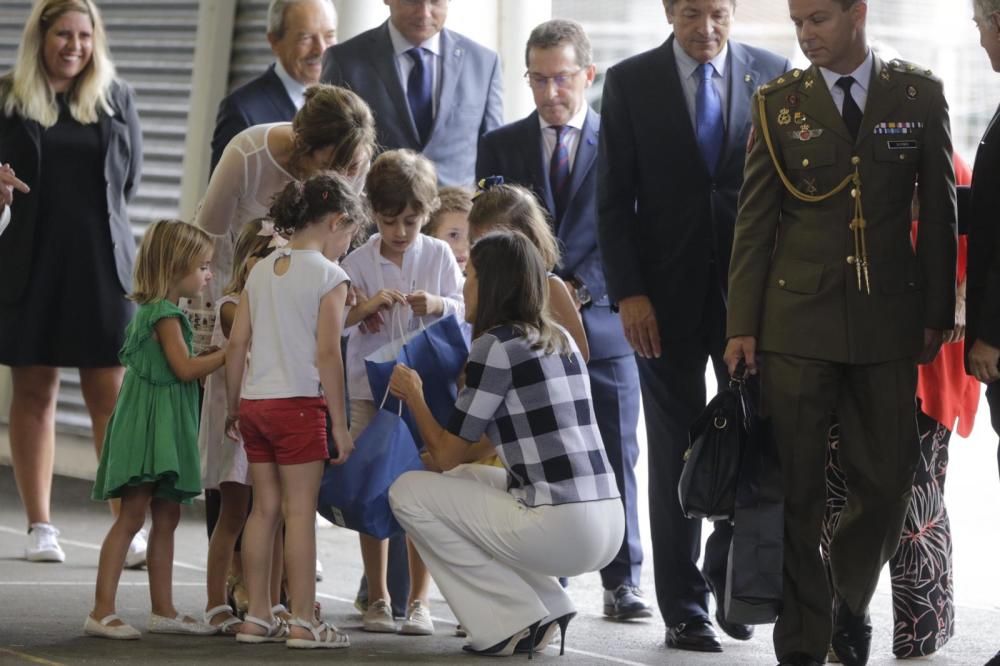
x: 516, y: 20
x: 356, y: 16
x: 209, y: 80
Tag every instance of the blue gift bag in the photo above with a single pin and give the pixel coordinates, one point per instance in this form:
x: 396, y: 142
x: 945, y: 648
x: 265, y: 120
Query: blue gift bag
x: 437, y: 352
x: 355, y: 495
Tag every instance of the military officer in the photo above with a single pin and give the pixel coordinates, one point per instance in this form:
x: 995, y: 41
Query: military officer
x: 830, y: 300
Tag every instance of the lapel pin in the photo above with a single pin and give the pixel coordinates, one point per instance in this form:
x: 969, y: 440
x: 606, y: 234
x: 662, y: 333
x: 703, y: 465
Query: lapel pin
x: 747, y: 78
x: 784, y: 117
x: 792, y: 100
x: 796, y: 73
x: 808, y: 83
x: 911, y: 92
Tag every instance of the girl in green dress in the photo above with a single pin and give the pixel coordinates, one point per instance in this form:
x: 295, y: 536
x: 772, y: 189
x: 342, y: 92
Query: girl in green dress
x: 150, y: 455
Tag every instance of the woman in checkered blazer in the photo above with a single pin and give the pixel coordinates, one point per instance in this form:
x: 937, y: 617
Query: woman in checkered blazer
x: 496, y: 539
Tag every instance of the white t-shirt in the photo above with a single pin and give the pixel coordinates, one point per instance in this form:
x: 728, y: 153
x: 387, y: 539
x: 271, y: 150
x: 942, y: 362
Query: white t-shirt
x: 284, y: 310
x: 428, y: 265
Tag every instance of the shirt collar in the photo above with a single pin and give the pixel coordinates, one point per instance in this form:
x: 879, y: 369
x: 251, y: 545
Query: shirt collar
x: 401, y: 45
x: 296, y: 91
x: 576, y: 122
x: 862, y: 75
x: 688, y: 66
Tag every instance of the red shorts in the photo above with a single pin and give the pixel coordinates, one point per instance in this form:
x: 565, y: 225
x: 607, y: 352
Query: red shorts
x: 287, y: 431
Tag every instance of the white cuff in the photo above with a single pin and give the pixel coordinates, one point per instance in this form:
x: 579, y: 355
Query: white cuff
x: 4, y: 219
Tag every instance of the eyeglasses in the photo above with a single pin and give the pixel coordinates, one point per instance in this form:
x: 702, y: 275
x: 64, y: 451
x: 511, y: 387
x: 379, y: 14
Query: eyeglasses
x: 561, y: 80
x: 420, y: 3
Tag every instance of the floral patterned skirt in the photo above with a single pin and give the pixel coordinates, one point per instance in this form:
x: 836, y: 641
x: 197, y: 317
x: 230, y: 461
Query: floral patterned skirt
x: 921, y: 569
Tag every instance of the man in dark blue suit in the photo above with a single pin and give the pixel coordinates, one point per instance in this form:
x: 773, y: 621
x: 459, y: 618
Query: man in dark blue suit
x: 299, y: 31
x: 675, y: 127
x: 554, y: 152
x: 431, y: 90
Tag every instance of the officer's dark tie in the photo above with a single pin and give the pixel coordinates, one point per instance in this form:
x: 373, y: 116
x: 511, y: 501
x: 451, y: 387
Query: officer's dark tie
x: 851, y: 111
x: 708, y: 109
x: 559, y: 171
x: 419, y: 88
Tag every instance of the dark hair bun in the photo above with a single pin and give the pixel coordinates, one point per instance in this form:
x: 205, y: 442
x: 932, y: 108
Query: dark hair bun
x: 302, y: 204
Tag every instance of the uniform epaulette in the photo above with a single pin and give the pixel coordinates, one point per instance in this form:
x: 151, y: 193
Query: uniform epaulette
x: 904, y: 67
x: 785, y: 79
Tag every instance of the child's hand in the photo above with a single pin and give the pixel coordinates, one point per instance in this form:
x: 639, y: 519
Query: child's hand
x: 233, y: 428
x: 372, y: 323
x: 405, y: 384
x: 210, y: 350
x: 344, y: 443
x: 383, y: 300
x: 424, y: 304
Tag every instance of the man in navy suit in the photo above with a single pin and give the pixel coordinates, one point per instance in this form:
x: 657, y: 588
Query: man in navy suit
x: 528, y: 152
x: 299, y: 31
x: 431, y: 90
x: 675, y: 127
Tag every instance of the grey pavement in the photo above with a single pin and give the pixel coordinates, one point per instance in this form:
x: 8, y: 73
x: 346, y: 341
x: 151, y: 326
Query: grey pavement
x: 43, y: 606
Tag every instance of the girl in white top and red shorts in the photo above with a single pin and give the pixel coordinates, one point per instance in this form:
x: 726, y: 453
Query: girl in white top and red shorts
x: 292, y: 311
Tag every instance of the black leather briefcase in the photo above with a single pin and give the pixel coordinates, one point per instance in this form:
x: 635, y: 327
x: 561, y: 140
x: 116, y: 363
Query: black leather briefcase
x: 707, y: 487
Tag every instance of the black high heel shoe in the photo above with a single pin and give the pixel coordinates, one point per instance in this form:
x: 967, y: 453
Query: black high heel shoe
x: 507, y: 646
x: 543, y: 636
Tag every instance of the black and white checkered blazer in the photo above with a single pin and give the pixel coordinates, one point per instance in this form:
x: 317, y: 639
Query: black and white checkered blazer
x: 537, y: 410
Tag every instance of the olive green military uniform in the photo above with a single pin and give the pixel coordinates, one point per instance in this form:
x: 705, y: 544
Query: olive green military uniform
x: 839, y: 314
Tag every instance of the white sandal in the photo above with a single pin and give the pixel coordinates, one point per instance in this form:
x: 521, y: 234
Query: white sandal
x: 103, y: 628
x: 325, y: 635
x: 276, y: 632
x: 226, y: 626
x: 159, y: 624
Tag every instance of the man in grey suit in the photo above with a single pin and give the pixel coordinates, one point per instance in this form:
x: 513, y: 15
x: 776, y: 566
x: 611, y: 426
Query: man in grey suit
x: 431, y: 90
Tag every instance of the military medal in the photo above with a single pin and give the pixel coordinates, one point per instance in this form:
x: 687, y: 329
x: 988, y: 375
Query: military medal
x: 784, y: 117
x: 911, y: 92
x: 805, y: 133
x: 792, y: 100
x: 799, y: 118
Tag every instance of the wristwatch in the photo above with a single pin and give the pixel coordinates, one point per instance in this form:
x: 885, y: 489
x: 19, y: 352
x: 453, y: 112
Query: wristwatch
x: 582, y: 293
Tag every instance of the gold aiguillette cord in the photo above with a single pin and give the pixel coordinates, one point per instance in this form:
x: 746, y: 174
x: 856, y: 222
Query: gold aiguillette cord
x: 857, y: 223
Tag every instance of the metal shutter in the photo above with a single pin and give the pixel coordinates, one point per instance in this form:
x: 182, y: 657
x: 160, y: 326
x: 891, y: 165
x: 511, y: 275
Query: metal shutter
x: 251, y: 53
x: 152, y: 45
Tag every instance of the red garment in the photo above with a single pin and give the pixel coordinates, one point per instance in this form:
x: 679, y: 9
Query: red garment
x: 946, y: 393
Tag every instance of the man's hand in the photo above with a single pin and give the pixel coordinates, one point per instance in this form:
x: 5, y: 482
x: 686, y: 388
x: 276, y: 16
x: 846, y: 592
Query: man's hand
x: 8, y: 183
x: 741, y: 348
x: 932, y: 343
x: 983, y: 361
x: 639, y: 323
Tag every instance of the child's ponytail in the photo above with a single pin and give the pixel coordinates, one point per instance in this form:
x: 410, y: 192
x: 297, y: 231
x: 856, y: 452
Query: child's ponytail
x: 301, y: 204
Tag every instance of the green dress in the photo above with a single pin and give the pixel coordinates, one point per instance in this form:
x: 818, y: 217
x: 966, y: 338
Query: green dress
x: 152, y: 436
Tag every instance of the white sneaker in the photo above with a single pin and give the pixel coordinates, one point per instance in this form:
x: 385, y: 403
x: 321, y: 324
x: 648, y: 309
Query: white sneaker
x: 378, y: 618
x: 319, y: 571
x: 418, y: 621
x: 43, y: 546
x: 136, y: 555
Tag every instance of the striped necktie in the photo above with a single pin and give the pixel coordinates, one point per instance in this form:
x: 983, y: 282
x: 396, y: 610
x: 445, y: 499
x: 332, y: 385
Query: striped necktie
x: 559, y: 172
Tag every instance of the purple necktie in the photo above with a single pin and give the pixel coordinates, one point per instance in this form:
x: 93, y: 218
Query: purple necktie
x: 559, y: 172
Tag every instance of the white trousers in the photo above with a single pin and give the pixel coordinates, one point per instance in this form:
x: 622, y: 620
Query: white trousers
x: 496, y: 560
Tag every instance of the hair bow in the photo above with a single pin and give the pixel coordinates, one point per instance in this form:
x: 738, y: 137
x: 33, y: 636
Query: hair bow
x: 267, y: 229
x: 487, y: 184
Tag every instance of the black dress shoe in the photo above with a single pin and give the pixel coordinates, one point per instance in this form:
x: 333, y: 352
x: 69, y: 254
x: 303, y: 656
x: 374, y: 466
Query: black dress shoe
x: 852, y: 636
x: 994, y: 661
x: 626, y: 603
x: 798, y: 659
x: 697, y: 636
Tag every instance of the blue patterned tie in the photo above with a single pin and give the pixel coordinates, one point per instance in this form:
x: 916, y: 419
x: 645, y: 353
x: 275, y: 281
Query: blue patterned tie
x: 708, y: 108
x: 559, y: 172
x: 419, y: 88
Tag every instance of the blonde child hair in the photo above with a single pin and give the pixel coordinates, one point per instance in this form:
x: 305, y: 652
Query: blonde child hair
x: 250, y: 243
x: 452, y: 200
x: 26, y: 90
x: 169, y: 249
x: 514, y: 208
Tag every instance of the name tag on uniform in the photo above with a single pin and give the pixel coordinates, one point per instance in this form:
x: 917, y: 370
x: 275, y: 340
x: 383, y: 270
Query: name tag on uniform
x: 903, y: 145
x: 898, y: 128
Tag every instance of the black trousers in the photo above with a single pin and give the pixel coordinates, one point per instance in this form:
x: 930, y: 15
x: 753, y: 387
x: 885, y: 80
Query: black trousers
x: 673, y: 395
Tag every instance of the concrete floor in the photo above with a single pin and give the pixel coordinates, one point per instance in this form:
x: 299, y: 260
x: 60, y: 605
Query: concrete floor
x: 42, y: 606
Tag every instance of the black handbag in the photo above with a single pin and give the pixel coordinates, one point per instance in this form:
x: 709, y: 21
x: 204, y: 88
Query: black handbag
x: 707, y: 487
x: 754, y: 570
